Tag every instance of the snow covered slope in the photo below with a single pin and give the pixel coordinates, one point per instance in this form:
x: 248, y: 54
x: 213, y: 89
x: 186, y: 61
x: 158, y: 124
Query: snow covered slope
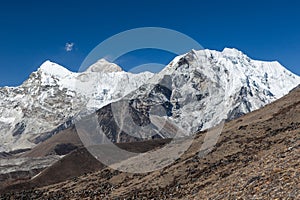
x: 209, y: 86
x: 197, y: 90
x: 53, y: 94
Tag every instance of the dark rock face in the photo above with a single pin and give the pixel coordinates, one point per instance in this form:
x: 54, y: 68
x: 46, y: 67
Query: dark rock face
x: 136, y: 111
x: 63, y: 149
x: 111, y: 129
x: 18, y: 151
x: 19, y: 129
x: 4, y: 155
x: 183, y: 62
x: 12, y: 153
x: 235, y: 113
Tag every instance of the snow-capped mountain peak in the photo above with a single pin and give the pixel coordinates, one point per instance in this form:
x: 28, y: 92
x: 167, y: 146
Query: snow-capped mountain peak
x: 53, y: 69
x: 103, y: 65
x: 53, y: 94
x: 232, y: 51
x: 201, y: 88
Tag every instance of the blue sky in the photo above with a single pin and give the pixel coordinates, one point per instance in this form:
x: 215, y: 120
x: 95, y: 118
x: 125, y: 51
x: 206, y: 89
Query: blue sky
x: 34, y: 31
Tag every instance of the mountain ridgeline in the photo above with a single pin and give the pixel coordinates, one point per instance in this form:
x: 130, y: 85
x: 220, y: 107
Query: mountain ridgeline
x: 194, y: 92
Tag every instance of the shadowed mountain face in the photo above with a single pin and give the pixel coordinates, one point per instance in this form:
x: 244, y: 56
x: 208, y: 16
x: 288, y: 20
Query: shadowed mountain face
x: 256, y: 156
x: 195, y: 92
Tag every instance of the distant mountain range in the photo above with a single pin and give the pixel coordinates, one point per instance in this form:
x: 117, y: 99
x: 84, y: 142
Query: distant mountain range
x: 194, y: 92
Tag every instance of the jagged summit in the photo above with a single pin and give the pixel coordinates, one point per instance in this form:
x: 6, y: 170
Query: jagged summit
x: 103, y: 65
x: 232, y: 51
x: 54, y: 69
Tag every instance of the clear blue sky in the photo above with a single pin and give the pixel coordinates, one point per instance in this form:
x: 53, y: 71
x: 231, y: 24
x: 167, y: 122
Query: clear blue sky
x: 34, y: 31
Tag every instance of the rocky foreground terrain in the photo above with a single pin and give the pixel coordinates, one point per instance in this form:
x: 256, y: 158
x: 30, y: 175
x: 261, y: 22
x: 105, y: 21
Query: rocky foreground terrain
x: 256, y: 157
